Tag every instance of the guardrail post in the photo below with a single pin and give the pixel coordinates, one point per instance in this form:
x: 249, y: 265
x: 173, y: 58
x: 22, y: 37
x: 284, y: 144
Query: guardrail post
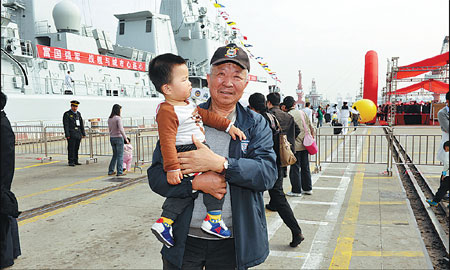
x: 390, y: 152
x: 91, y: 147
x: 318, y: 168
x: 138, y: 150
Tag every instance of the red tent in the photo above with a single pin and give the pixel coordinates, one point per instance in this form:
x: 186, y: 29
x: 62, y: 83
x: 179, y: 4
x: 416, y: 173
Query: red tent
x: 427, y: 64
x: 431, y: 85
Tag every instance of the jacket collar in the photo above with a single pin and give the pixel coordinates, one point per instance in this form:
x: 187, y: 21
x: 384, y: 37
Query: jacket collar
x: 244, y: 119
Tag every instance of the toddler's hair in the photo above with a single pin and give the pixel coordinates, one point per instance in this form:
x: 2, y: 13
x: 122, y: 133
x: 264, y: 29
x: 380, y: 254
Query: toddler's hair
x: 125, y: 141
x: 160, y: 69
x: 446, y: 144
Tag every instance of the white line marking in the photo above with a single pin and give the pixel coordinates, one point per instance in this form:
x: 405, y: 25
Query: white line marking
x: 331, y: 176
x: 326, y: 188
x: 313, y: 222
x: 314, y: 202
x: 288, y: 254
x: 274, y: 225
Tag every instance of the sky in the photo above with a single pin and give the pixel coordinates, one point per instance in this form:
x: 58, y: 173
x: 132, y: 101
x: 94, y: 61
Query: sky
x: 326, y: 39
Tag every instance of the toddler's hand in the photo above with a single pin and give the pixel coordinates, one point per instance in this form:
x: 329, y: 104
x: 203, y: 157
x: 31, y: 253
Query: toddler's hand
x: 234, y: 131
x: 174, y: 177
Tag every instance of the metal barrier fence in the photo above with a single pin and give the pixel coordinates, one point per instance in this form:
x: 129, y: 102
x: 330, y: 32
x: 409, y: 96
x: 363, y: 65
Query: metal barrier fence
x: 376, y: 142
x: 373, y: 142
x: 50, y: 140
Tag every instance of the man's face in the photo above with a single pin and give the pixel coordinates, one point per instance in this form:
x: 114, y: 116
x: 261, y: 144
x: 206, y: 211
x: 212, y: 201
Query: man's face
x: 74, y: 107
x: 226, y: 83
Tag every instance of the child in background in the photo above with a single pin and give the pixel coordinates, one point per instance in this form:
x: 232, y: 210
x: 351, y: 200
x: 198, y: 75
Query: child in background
x: 127, y: 155
x: 334, y: 118
x: 445, y: 180
x: 179, y: 119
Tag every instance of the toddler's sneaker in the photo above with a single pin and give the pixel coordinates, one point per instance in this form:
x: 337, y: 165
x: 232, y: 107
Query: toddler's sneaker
x: 163, y: 231
x: 215, y: 227
x: 431, y: 202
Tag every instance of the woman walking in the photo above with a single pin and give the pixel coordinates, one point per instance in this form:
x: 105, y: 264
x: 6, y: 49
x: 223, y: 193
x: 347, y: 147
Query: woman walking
x: 117, y: 138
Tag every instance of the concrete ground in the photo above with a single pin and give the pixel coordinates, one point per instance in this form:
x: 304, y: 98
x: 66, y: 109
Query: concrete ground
x: 357, y: 218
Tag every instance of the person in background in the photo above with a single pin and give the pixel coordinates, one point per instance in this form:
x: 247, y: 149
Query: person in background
x: 9, y: 231
x: 344, y: 115
x: 379, y: 112
x: 320, y: 112
x: 278, y: 201
x: 127, y: 154
x: 247, y: 166
x: 327, y: 114
x: 117, y: 138
x: 308, y: 111
x: 355, y: 118
x: 74, y: 132
x: 300, y: 173
x: 445, y: 179
x: 68, y: 83
x: 443, y: 117
x: 334, y: 118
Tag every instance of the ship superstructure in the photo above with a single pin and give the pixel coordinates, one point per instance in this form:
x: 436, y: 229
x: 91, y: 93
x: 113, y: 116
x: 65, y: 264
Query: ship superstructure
x: 40, y: 45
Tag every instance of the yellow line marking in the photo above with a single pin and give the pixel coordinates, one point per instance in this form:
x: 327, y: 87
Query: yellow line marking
x: 382, y: 203
x: 388, y: 253
x: 378, y: 177
x: 343, y: 251
x: 60, y: 210
x: 62, y: 187
x: 36, y: 165
x: 433, y: 176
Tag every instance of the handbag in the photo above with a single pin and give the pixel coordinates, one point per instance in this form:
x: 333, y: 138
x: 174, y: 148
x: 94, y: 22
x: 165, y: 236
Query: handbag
x: 287, y: 157
x: 308, y: 141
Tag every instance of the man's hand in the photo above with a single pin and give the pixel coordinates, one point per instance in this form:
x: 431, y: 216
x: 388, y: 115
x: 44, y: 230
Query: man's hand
x: 235, y: 132
x: 211, y: 183
x: 174, y: 177
x: 200, y: 160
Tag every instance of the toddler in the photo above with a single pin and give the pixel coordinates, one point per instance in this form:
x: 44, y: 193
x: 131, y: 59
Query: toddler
x: 178, y: 120
x: 127, y: 154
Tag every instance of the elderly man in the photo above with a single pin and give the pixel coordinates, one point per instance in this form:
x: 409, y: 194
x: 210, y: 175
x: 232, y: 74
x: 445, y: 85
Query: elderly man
x: 239, y: 170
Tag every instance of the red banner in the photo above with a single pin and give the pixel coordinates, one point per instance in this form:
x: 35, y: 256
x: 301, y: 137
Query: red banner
x: 88, y: 58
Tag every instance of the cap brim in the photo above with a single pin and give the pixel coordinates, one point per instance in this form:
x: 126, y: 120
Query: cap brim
x: 222, y: 61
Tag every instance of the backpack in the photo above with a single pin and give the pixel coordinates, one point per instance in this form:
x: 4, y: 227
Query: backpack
x: 284, y: 152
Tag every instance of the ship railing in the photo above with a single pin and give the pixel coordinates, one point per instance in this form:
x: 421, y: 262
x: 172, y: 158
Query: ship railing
x: 373, y: 144
x: 57, y: 85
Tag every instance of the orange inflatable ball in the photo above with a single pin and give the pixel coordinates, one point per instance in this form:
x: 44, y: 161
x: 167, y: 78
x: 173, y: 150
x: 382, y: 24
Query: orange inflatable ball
x: 366, y: 108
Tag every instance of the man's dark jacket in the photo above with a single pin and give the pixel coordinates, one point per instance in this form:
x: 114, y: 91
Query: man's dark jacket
x: 70, y: 128
x: 9, y: 234
x: 8, y: 202
x: 248, y: 176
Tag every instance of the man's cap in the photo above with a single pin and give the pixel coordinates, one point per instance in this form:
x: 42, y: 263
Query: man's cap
x: 231, y: 53
x: 74, y: 102
x: 289, y: 101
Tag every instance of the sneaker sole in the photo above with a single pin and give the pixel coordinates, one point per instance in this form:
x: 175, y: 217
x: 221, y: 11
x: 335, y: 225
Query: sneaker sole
x: 161, y: 238
x: 213, y: 233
